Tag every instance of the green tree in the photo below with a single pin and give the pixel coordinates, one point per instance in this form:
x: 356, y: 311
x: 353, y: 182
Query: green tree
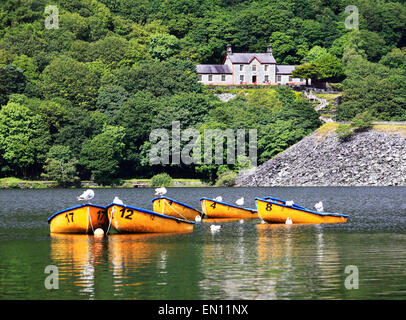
x: 24, y: 138
x: 102, y: 154
x: 60, y: 166
x: 12, y: 80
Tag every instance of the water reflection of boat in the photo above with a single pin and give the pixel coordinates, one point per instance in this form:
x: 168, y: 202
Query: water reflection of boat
x: 218, y: 209
x: 128, y: 219
x: 76, y: 255
x: 82, y: 219
x: 175, y: 208
x: 274, y: 210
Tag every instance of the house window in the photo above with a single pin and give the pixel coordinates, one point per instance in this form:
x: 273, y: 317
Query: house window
x: 200, y: 77
x: 241, y: 67
x: 279, y: 78
x: 241, y: 78
x: 266, y: 78
x: 290, y: 79
x: 254, y: 67
x: 210, y: 77
x: 223, y: 77
x: 266, y: 67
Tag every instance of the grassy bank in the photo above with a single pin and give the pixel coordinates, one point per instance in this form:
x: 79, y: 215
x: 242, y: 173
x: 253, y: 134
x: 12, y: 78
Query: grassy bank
x: 16, y: 183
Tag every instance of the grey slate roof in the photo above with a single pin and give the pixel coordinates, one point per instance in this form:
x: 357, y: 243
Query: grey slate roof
x: 284, y: 69
x: 213, y: 69
x: 247, y: 57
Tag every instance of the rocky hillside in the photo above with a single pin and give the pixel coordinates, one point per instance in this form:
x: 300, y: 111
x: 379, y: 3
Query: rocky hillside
x: 373, y: 158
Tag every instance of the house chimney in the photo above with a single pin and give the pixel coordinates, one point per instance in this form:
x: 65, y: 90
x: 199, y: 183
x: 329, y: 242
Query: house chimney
x: 269, y: 49
x: 229, y: 49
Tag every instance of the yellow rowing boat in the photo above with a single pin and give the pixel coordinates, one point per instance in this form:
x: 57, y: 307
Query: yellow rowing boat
x: 82, y: 219
x: 217, y: 209
x: 128, y: 219
x: 175, y: 208
x: 274, y: 210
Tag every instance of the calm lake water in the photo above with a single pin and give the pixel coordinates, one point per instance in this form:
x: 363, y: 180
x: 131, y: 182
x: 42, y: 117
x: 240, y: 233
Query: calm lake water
x: 246, y: 260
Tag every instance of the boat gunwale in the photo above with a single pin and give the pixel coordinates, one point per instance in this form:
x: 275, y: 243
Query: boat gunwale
x: 149, y: 212
x: 178, y: 202
x: 230, y: 205
x: 74, y: 208
x: 303, y: 209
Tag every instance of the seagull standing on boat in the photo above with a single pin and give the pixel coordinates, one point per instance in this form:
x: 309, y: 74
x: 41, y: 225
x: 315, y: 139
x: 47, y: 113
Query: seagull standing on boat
x: 240, y: 201
x: 160, y: 191
x: 198, y: 219
x: 319, y: 206
x: 117, y: 200
x: 219, y: 199
x: 289, y: 203
x: 87, y: 195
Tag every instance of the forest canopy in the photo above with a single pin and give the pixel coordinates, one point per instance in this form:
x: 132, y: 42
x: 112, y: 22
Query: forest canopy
x: 114, y: 70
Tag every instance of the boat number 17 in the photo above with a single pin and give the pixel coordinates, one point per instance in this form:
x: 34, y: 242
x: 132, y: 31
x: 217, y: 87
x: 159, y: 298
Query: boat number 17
x: 69, y: 217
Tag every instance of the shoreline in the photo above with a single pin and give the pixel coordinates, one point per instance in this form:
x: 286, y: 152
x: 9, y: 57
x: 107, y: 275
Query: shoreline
x: 16, y: 183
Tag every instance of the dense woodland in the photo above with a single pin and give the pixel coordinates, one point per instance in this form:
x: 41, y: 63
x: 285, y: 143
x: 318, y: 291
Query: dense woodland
x: 80, y: 101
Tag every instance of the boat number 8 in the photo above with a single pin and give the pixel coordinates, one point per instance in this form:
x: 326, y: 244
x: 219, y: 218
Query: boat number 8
x: 268, y: 207
x: 129, y: 213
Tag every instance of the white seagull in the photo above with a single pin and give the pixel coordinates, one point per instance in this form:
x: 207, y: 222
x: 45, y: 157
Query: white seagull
x: 319, y: 206
x: 219, y: 199
x: 240, y: 201
x: 288, y: 221
x: 198, y: 218
x: 87, y: 195
x: 214, y: 228
x: 117, y: 200
x: 160, y: 191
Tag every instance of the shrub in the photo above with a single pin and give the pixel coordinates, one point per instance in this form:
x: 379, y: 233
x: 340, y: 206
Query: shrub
x: 362, y: 121
x: 161, y: 180
x: 226, y: 179
x: 344, y: 132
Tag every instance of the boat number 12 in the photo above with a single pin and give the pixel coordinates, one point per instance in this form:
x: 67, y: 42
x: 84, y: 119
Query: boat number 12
x: 129, y: 213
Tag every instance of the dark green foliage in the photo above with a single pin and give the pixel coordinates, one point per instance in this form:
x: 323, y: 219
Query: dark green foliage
x: 102, y: 154
x: 60, y: 166
x: 130, y: 64
x: 12, y: 80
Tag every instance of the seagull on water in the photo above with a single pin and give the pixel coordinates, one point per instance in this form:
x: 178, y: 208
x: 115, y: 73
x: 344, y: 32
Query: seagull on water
x: 214, y: 228
x: 87, y: 195
x: 288, y: 221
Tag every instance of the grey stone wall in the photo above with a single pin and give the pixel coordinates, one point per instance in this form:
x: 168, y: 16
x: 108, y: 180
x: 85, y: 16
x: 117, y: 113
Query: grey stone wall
x: 372, y: 158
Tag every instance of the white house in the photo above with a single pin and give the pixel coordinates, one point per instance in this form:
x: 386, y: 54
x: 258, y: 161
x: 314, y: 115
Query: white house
x: 247, y: 68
